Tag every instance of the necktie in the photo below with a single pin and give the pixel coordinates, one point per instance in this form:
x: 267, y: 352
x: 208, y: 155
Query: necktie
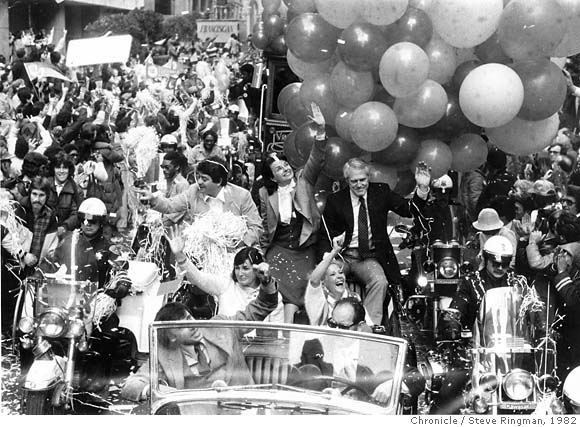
x: 363, y: 230
x: 203, y: 359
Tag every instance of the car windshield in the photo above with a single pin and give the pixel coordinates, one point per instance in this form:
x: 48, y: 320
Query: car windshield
x: 222, y: 367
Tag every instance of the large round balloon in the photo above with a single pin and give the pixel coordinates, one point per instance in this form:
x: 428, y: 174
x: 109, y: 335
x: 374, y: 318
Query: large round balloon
x: 285, y: 94
x: 273, y: 26
x: 306, y: 70
x: 491, y: 51
x: 373, y: 126
x: 260, y: 39
x: 491, y: 95
x: 305, y: 137
x: 350, y: 87
x: 465, y: 24
x: 423, y: 108
x: 531, y: 28
x: 383, y: 174
x: 342, y: 123
x: 320, y: 197
x: 378, y: 13
x: 336, y: 153
x: 271, y: 6
x: 404, y: 67
x: 461, y: 72
x: 311, y: 38
x: 424, y: 5
x: 442, y: 60
x: 414, y: 27
x: 523, y: 137
x: 361, y: 46
x: 453, y: 122
x: 295, y: 112
x: 278, y: 45
x: 436, y: 155
x: 544, y: 88
x: 406, y: 182
x: 298, y: 7
x: 469, y: 152
x: 401, y: 151
x: 340, y: 13
x: 318, y: 90
x: 291, y: 152
x: 570, y: 44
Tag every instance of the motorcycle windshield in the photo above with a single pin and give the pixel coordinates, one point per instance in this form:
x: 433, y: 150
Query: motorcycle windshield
x: 62, y: 293
x: 503, y: 321
x: 257, y: 368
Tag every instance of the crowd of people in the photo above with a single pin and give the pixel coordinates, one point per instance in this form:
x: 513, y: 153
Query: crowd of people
x: 97, y: 152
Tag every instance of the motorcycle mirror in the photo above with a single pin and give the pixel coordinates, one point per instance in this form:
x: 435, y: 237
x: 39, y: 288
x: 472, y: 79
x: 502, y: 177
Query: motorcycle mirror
x: 466, y: 268
x: 429, y: 266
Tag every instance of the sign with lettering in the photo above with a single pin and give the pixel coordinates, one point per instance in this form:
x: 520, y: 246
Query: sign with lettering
x: 98, y: 50
x: 221, y: 29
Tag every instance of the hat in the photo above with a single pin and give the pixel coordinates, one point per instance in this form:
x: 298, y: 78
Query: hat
x: 101, y: 144
x: 169, y: 139
x: 444, y: 183
x: 543, y: 187
x: 5, y: 154
x: 488, y: 220
x: 35, y: 158
x: 234, y: 108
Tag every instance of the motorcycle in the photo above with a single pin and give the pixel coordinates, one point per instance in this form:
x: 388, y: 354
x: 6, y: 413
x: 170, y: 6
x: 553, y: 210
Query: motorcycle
x: 514, y: 358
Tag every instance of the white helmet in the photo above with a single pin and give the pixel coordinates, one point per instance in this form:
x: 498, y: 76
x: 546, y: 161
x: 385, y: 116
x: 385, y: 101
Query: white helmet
x: 498, y: 248
x: 168, y: 139
x: 93, y: 208
x: 571, y: 391
x: 443, y: 183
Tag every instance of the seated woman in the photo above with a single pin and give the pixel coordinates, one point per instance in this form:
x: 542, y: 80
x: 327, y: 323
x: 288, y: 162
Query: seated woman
x: 319, y: 301
x: 234, y: 294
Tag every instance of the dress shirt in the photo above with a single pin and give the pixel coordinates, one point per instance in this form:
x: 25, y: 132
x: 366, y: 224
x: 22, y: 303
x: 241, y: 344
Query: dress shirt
x: 216, y: 202
x: 285, y: 202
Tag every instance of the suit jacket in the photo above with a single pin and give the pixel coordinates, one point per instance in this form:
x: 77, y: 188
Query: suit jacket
x: 338, y: 218
x: 237, y: 201
x: 224, y: 349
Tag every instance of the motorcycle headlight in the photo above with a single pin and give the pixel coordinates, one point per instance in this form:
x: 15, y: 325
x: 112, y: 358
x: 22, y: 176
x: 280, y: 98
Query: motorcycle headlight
x: 26, y: 325
x: 448, y: 268
x: 51, y: 324
x: 518, y: 384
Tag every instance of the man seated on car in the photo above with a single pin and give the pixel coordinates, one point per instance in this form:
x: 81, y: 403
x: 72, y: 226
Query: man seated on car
x: 202, y: 357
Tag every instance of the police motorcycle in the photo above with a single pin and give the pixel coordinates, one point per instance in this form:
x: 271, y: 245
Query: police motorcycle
x: 72, y: 344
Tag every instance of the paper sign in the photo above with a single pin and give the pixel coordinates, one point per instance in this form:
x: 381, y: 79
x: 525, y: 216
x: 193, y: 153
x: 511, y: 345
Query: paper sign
x: 39, y: 70
x: 98, y: 50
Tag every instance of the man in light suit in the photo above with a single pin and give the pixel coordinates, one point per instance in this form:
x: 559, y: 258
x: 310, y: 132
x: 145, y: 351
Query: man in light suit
x: 198, y: 357
x: 211, y: 191
x: 360, y: 211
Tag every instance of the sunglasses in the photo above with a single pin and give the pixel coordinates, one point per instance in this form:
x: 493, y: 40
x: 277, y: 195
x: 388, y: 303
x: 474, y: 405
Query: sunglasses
x: 90, y: 219
x: 504, y: 264
x: 335, y: 325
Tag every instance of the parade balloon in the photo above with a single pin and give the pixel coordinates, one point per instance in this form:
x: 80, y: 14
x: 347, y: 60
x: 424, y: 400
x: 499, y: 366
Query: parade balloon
x: 350, y: 87
x: 401, y: 151
x: 491, y: 95
x: 469, y: 152
x: 295, y: 112
x: 342, y: 123
x: 442, y: 60
x: 465, y: 24
x: 320, y: 198
x: 491, y: 51
x: 373, y: 126
x: 378, y: 13
x: 301, y: 6
x: 260, y: 39
x: 570, y: 44
x: 523, y: 137
x: 383, y: 174
x: 271, y: 6
x: 423, y: 108
x: 336, y: 153
x: 291, y: 153
x: 340, y: 13
x: 323, y: 183
x: 453, y: 122
x: 436, y: 155
x: 361, y: 46
x: 531, y: 28
x: 405, y: 182
x: 404, y: 67
x: 414, y: 27
x: 305, y: 137
x: 461, y: 72
x: 544, y: 88
x: 306, y: 70
x: 424, y: 5
x: 311, y: 38
x: 273, y: 26
x: 278, y: 45
x: 318, y: 90
x: 287, y: 91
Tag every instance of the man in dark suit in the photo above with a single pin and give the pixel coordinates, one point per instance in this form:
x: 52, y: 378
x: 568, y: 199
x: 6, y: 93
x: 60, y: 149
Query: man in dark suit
x: 360, y: 212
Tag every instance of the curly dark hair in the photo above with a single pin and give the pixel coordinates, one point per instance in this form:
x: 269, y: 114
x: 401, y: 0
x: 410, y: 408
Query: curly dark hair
x: 568, y: 227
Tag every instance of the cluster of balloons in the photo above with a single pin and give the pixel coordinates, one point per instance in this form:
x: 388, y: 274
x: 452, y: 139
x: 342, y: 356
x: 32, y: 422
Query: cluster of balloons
x: 269, y: 32
x: 420, y: 80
